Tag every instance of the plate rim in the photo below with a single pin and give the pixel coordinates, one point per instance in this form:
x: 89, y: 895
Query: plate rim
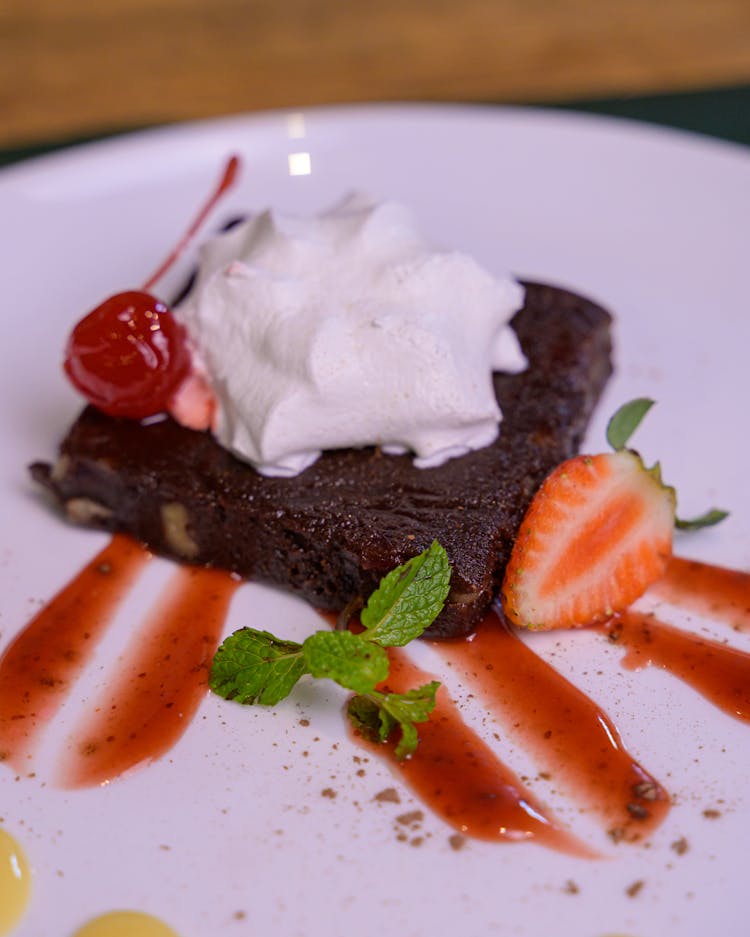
x: 110, y: 145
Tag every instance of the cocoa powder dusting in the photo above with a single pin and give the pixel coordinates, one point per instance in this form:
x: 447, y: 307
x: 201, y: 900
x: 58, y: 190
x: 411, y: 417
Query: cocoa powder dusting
x: 388, y: 796
x: 680, y: 846
x: 412, y: 818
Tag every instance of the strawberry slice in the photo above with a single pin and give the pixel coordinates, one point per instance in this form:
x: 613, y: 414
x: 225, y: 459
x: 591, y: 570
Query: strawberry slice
x: 597, y: 534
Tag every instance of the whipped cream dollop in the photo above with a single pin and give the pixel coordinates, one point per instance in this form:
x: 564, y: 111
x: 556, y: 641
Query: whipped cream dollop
x: 346, y: 330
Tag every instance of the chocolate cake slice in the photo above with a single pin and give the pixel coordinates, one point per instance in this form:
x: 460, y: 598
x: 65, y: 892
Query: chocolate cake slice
x: 332, y: 532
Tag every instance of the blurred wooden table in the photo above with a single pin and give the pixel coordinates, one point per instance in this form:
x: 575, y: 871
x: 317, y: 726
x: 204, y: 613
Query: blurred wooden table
x: 73, y: 67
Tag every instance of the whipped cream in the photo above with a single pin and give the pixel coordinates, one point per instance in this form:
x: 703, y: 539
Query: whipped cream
x: 345, y: 330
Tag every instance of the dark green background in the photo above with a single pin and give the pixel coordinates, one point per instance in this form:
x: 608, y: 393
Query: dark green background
x: 723, y: 113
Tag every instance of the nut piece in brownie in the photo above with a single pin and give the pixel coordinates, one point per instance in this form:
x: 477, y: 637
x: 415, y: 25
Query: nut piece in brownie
x: 332, y: 532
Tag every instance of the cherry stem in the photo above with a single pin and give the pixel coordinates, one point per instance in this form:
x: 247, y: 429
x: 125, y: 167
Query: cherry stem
x: 226, y: 182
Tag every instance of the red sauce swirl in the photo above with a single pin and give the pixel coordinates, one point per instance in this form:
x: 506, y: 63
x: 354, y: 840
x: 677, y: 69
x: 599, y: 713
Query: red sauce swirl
x: 41, y: 664
x: 719, y: 673
x: 459, y: 777
x: 723, y: 594
x: 565, y: 731
x: 159, y: 684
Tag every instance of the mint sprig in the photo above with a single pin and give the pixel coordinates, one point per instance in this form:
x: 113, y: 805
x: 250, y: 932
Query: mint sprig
x: 348, y: 659
x: 376, y: 714
x: 254, y: 666
x: 407, y: 597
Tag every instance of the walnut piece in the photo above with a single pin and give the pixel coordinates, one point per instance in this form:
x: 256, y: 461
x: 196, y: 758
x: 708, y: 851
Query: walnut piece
x: 174, y: 518
x: 86, y: 511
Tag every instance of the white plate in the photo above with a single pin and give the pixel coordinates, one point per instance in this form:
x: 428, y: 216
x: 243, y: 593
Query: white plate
x: 656, y: 225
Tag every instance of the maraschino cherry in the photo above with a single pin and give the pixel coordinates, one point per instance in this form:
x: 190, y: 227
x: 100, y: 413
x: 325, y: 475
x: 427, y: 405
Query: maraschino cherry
x: 129, y: 356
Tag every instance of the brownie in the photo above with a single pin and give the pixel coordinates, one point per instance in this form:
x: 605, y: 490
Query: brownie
x: 330, y: 533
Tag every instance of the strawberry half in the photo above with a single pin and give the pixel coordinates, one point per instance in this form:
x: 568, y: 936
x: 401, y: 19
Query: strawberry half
x: 597, y: 534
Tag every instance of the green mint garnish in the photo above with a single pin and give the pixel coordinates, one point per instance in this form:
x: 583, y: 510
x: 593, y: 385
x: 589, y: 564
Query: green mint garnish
x: 349, y: 659
x: 256, y: 667
x: 376, y: 714
x: 619, y: 430
x: 406, y: 598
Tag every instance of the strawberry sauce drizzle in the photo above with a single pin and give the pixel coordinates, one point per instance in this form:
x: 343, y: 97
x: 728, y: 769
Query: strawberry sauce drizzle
x: 719, y: 673
x: 159, y: 685
x: 455, y: 773
x: 712, y: 591
x: 562, y: 728
x: 38, y: 669
x: 460, y: 778
x: 227, y: 180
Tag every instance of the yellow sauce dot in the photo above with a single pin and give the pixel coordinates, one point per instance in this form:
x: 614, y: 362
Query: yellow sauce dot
x: 125, y: 924
x: 15, y: 882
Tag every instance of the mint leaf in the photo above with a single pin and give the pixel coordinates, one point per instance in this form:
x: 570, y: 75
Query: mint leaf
x: 408, y: 742
x: 714, y: 516
x: 408, y: 599
x: 347, y: 658
x: 377, y: 714
x: 414, y: 705
x: 369, y: 717
x: 408, y: 708
x: 626, y: 420
x: 255, y: 667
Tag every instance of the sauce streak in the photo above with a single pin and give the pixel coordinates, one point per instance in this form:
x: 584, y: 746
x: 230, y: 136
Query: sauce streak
x: 722, y: 594
x: 719, y: 673
x: 569, y: 735
x: 39, y: 667
x: 159, y: 685
x: 460, y: 778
